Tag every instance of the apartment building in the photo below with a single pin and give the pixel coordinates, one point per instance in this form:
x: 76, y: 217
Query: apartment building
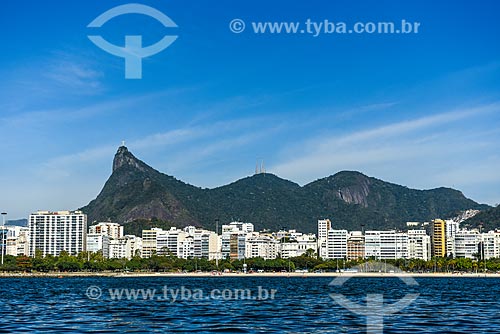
x: 54, y: 232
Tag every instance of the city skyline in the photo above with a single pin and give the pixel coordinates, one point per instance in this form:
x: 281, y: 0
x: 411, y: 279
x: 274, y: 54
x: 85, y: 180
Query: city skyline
x: 419, y: 110
x: 57, y: 232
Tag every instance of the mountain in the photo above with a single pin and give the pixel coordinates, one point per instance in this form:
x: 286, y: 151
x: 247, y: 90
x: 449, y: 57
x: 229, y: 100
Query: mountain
x: 136, y: 192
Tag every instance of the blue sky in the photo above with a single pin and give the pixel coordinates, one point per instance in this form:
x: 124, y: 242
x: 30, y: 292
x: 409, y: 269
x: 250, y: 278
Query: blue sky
x: 422, y: 110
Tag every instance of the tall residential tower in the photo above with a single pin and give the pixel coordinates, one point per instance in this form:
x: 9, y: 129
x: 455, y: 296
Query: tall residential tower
x: 54, y: 232
x: 438, y: 238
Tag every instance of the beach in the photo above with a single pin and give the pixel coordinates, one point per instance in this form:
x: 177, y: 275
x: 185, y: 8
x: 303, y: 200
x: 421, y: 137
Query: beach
x: 235, y: 274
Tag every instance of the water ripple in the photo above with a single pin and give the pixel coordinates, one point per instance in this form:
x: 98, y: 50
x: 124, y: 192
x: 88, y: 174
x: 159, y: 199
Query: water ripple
x: 48, y: 305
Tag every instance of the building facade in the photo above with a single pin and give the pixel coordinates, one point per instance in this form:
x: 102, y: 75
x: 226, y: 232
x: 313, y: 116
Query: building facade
x: 16, y: 240
x: 54, y: 232
x: 167, y: 242
x: 262, y: 246
x: 198, y: 243
x: 386, y: 245
x: 324, y: 225
x: 233, y: 240
x: 97, y: 242
x: 438, y: 238
x: 451, y: 228
x: 190, y: 242
x: 467, y: 244
x: 419, y: 245
x: 355, y: 245
x: 112, y: 230
x: 336, y: 244
x: 150, y: 242
x: 490, y: 245
x: 125, y: 247
x: 298, y: 245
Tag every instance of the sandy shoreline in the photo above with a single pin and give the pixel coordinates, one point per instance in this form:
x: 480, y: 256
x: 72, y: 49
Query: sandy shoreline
x: 215, y: 275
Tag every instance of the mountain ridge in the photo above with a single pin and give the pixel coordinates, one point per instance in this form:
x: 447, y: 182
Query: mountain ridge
x: 351, y: 199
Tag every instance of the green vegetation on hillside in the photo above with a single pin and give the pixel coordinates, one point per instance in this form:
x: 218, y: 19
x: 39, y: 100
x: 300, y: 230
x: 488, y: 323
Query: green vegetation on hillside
x: 350, y: 199
x: 489, y: 219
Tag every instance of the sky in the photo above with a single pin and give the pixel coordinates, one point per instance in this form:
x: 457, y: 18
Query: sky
x: 419, y: 109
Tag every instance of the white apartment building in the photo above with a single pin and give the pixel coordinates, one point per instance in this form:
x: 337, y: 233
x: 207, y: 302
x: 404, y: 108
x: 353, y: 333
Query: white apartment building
x: 244, y: 227
x: 419, y: 245
x: 161, y: 242
x: 324, y: 225
x: 467, y: 243
x: 112, y: 230
x: 3, y: 239
x: 16, y: 240
x: 168, y: 241
x: 293, y: 234
x: 205, y: 243
x: 336, y: 244
x: 386, y: 245
x: 491, y: 244
x: 98, y: 242
x: 298, y: 245
x: 451, y: 229
x: 54, y: 232
x: 262, y: 246
x: 125, y: 247
x: 233, y: 239
x: 185, y: 249
x: 150, y: 241
x: 187, y: 243
x: 106, y: 237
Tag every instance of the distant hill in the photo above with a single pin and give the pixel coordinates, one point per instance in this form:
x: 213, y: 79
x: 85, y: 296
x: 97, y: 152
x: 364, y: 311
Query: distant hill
x: 17, y: 222
x: 137, y: 192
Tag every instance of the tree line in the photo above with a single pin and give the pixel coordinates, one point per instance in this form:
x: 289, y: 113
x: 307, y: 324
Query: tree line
x: 95, y: 262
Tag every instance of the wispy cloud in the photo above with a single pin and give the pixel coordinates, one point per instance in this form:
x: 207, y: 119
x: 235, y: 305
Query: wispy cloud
x: 74, y: 75
x: 92, y: 154
x: 404, y: 127
x: 367, y: 108
x: 202, y: 141
x: 57, y: 75
x: 193, y: 132
x: 220, y: 148
x: 76, y: 112
x: 391, y: 150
